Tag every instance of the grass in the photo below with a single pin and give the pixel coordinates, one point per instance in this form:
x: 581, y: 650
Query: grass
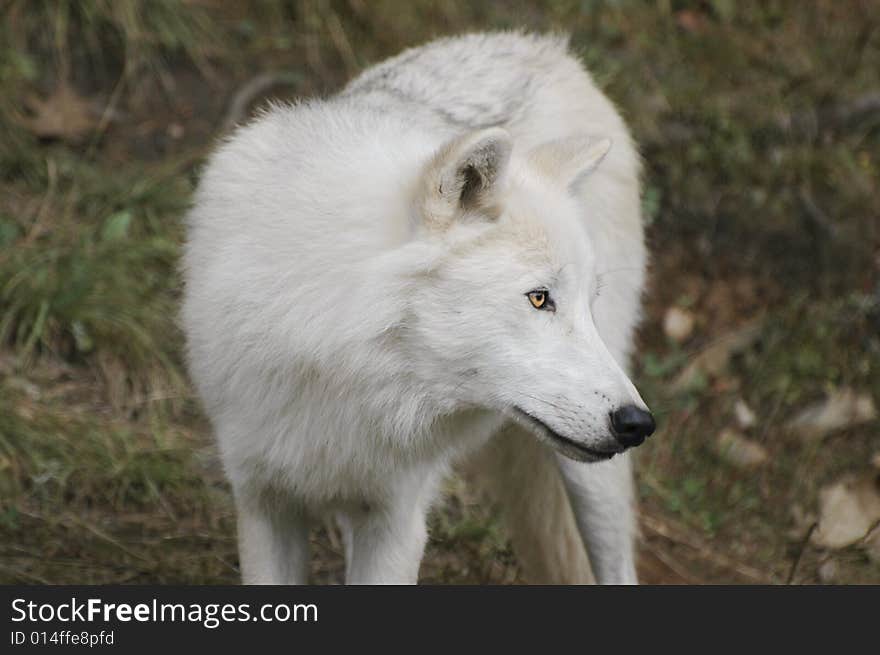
x: 760, y: 195
x: 97, y: 498
x: 100, y: 280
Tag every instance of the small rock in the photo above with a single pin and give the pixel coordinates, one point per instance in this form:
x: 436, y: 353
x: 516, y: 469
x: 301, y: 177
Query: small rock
x: 740, y: 451
x: 841, y: 409
x: 848, y: 508
x: 875, y: 460
x: 678, y: 324
x: 745, y: 417
x: 827, y: 571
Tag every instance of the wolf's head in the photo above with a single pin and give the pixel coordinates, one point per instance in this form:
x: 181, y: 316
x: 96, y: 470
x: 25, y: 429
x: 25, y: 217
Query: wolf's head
x: 505, y: 320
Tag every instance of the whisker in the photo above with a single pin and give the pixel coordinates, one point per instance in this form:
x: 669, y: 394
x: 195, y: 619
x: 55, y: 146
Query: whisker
x: 541, y: 400
x: 618, y: 270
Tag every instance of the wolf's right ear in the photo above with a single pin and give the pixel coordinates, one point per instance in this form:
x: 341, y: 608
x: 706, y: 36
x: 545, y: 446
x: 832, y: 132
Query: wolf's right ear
x: 569, y: 160
x: 465, y: 175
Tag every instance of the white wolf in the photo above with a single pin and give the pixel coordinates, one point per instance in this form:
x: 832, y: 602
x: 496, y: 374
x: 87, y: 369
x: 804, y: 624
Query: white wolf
x: 443, y: 262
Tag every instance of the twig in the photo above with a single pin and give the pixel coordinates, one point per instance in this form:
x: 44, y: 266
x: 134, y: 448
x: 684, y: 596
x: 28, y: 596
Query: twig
x: 800, y: 554
x: 658, y: 527
x: 108, y: 113
x: 671, y: 564
x: 105, y: 537
x: 340, y: 40
x: 870, y: 533
x: 37, y: 224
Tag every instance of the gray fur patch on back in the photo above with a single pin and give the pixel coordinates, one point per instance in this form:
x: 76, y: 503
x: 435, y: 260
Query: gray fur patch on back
x: 440, y: 80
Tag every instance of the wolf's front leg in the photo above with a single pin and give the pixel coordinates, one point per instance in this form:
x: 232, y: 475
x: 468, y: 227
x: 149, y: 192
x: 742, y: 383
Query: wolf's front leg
x: 601, y: 496
x: 273, y: 542
x: 384, y: 544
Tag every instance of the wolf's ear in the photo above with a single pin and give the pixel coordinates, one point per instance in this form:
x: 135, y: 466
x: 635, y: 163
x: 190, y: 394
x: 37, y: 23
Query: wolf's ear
x: 465, y: 175
x: 570, y: 159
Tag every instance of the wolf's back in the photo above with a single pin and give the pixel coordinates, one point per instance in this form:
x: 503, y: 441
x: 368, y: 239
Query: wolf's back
x: 528, y: 84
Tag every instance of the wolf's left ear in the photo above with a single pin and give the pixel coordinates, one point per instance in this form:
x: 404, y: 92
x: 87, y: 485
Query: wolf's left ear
x: 465, y: 174
x: 570, y: 159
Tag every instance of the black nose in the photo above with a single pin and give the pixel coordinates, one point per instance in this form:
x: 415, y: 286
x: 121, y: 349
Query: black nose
x: 631, y: 425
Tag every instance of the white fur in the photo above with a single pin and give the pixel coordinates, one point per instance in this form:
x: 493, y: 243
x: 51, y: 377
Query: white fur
x: 356, y: 278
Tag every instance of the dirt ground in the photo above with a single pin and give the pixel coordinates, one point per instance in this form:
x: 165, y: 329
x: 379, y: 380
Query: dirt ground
x: 759, y: 124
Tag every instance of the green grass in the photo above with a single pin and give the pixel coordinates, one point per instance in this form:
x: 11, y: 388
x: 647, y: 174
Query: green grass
x: 88, y: 498
x: 760, y: 195
x: 91, y: 279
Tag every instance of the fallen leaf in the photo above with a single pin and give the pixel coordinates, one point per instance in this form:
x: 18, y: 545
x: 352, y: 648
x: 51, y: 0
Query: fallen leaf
x: 745, y: 417
x: 740, y: 451
x: 63, y: 115
x: 848, y: 509
x: 713, y: 360
x: 678, y: 324
x: 840, y: 409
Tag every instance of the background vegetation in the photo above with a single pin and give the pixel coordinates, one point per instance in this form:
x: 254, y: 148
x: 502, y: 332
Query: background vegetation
x: 759, y: 123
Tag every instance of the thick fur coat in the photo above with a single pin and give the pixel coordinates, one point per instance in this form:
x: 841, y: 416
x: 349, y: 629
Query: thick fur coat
x: 442, y: 263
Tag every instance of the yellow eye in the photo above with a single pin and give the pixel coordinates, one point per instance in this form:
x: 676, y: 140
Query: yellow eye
x: 538, y: 299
